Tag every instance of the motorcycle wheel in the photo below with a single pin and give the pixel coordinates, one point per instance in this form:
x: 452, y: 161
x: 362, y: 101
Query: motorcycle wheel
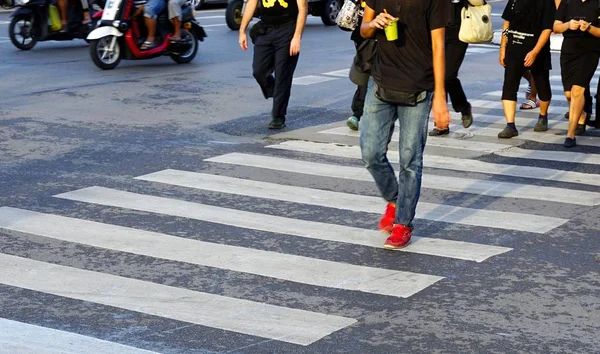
x: 191, y: 53
x: 101, y: 54
x: 25, y: 31
x: 233, y: 14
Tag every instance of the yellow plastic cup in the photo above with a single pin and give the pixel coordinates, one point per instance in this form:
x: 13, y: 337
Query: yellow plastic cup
x: 391, y: 31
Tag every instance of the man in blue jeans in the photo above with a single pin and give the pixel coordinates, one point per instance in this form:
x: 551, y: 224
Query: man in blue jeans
x: 407, y: 79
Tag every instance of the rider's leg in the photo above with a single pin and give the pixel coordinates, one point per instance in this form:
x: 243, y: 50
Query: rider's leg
x: 86, y: 12
x: 151, y: 10
x: 62, y: 7
x: 175, y: 14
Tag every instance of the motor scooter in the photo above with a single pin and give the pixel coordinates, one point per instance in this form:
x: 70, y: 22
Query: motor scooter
x: 120, y: 35
x: 31, y: 22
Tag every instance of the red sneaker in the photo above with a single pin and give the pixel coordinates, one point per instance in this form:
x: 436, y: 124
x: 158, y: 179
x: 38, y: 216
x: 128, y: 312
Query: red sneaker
x: 387, y: 220
x: 399, y: 238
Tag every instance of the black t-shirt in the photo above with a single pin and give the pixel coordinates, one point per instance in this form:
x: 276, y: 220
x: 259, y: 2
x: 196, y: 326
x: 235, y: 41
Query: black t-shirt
x: 579, y: 41
x: 406, y: 64
x: 528, y: 19
x: 277, y: 12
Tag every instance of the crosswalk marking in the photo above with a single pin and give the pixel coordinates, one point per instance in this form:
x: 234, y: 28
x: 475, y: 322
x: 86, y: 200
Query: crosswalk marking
x: 238, y: 315
x: 471, y: 145
x: 428, y: 211
x: 547, y: 138
x: 555, y: 97
x: 449, y: 163
x: 19, y: 337
x: 564, y: 156
x: 271, y: 223
x: 497, y: 104
x: 553, y: 122
x: 449, y: 183
x: 311, y: 80
x: 340, y: 73
x: 269, y: 264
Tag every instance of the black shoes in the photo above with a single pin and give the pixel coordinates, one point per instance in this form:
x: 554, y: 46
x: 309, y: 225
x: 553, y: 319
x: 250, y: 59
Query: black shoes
x: 467, y: 116
x: 508, y: 133
x: 277, y: 123
x: 439, y: 132
x: 570, y: 142
x: 542, y: 125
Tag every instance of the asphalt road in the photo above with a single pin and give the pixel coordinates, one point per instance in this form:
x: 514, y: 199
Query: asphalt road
x: 148, y: 209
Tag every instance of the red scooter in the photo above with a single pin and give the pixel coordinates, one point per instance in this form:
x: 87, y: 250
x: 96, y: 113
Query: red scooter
x: 120, y: 35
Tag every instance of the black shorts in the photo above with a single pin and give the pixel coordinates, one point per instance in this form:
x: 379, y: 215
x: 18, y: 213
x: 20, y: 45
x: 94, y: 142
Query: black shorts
x: 578, y: 69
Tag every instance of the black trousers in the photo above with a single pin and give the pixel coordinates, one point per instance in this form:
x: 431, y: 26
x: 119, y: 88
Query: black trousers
x: 455, y: 54
x: 358, y: 101
x: 272, y: 55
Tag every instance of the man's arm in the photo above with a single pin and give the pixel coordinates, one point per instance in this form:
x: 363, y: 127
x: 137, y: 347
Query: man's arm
x: 532, y: 55
x: 440, y: 106
x: 248, y: 14
x: 370, y: 23
x: 300, y: 24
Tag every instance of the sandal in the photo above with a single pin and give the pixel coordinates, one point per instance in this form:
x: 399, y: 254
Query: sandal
x: 63, y: 29
x: 529, y: 104
x: 148, y: 45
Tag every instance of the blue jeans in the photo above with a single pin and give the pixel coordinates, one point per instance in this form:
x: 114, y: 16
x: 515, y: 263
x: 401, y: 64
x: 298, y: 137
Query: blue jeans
x: 153, y: 8
x: 376, y: 129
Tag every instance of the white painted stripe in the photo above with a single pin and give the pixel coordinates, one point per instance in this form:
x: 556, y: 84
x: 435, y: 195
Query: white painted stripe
x: 448, y: 183
x: 554, y: 122
x: 210, y: 11
x: 547, y: 138
x: 479, y: 50
x: 271, y: 223
x: 19, y: 337
x: 352, y: 202
x: 4, y: 22
x: 340, y: 73
x: 449, y: 163
x: 445, y: 142
x: 564, y: 156
x: 269, y: 264
x: 497, y: 104
x: 208, y: 17
x: 243, y: 316
x: 430, y: 181
x: 215, y: 25
x: 311, y: 80
x: 555, y: 97
x: 494, y: 46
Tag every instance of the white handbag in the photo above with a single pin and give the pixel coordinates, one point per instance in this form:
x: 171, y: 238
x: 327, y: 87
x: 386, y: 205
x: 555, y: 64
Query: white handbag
x: 476, y: 24
x: 347, y: 18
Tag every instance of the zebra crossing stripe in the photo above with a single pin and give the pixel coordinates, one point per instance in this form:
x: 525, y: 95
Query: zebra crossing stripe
x: 352, y: 202
x: 497, y: 104
x: 555, y: 97
x: 237, y: 315
x: 264, y: 263
x: 564, y: 156
x: 460, y: 144
x: 530, y: 135
x: 271, y: 223
x: 449, y: 183
x: 448, y: 163
x: 19, y: 337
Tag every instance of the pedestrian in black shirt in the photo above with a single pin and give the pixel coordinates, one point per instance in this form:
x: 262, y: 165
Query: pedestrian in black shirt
x: 455, y: 54
x: 406, y: 77
x: 276, y: 39
x: 578, y: 22
x: 526, y: 45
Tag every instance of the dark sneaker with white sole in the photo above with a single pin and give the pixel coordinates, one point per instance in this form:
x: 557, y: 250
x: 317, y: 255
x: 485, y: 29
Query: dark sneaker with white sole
x: 277, y: 123
x: 508, y: 133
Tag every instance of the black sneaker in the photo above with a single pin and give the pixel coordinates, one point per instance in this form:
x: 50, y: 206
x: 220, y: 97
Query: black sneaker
x: 439, y: 132
x: 508, y: 133
x: 467, y: 117
x: 542, y: 125
x: 570, y: 142
x: 567, y: 115
x: 277, y: 123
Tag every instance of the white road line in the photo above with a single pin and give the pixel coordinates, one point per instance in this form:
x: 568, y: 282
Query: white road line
x: 19, y: 337
x: 268, y: 264
x: 555, y: 97
x: 361, y: 203
x: 531, y: 135
x: 311, y: 80
x: 449, y: 163
x: 556, y: 122
x: 339, y: 73
x: 564, y: 156
x: 208, y: 17
x: 498, y: 105
x: 215, y: 25
x: 242, y: 316
x: 448, y: 183
x: 277, y: 224
x: 477, y: 50
x: 471, y: 145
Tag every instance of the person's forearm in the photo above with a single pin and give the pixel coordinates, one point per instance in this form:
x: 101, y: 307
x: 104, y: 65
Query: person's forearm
x: 594, y: 31
x: 560, y: 27
x: 302, y: 14
x: 366, y: 31
x: 439, y: 62
x: 544, y: 37
x: 503, y: 38
x: 248, y: 14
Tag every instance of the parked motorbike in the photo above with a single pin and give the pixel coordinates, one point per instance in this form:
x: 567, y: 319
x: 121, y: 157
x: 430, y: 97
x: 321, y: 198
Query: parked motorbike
x: 32, y: 22
x: 120, y: 35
